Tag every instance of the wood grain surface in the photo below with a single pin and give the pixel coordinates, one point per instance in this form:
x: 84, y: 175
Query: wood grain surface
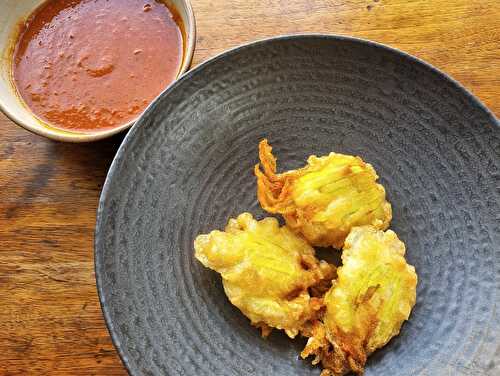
x: 50, y: 319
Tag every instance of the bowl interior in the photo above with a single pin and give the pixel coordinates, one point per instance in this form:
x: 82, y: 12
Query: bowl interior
x: 12, y: 13
x: 187, y: 167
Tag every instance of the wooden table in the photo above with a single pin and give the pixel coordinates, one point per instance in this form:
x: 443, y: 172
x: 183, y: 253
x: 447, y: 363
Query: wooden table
x: 50, y: 319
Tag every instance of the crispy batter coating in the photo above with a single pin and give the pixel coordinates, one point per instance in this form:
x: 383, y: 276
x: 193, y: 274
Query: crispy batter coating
x: 372, y: 297
x: 324, y: 199
x: 266, y: 271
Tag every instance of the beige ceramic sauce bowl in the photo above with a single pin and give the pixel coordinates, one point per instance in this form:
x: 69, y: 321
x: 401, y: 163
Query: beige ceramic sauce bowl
x: 12, y: 14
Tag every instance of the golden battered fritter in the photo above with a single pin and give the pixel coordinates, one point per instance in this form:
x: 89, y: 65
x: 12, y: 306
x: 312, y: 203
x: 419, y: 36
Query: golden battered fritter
x: 325, y: 199
x: 373, y: 295
x: 266, y: 271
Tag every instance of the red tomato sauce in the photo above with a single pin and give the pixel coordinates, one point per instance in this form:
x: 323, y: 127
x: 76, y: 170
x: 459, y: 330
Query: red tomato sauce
x: 83, y: 65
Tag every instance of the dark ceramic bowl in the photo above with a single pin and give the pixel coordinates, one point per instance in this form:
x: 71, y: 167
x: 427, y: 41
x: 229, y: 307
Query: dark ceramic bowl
x: 186, y: 167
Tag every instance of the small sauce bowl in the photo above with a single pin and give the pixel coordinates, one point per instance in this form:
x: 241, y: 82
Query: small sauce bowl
x: 13, y: 14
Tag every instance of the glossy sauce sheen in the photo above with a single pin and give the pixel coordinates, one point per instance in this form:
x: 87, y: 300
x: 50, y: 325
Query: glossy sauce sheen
x: 96, y: 64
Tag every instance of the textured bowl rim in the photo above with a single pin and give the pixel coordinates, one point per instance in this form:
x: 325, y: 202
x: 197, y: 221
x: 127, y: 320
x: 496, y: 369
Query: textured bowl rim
x: 120, y: 154
x: 75, y: 137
